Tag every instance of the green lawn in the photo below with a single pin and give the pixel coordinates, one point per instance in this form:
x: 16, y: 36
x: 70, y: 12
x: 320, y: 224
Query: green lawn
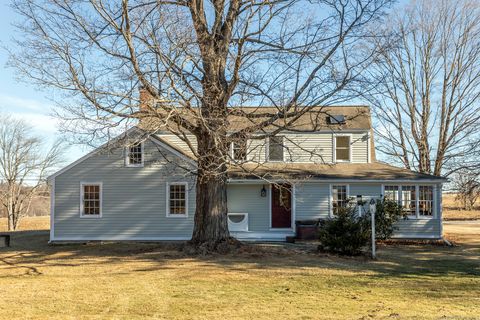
x: 128, y: 281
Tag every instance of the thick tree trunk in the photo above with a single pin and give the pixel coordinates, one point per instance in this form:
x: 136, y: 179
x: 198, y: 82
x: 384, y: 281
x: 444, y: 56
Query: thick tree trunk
x: 211, y: 211
x: 211, y: 227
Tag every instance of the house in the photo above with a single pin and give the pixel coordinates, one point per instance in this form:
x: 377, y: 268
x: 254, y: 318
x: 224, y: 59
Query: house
x: 146, y: 190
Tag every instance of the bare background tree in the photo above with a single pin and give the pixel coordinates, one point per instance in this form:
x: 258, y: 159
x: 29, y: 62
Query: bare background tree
x: 427, y: 99
x: 194, y: 60
x: 23, y: 167
x: 466, y: 184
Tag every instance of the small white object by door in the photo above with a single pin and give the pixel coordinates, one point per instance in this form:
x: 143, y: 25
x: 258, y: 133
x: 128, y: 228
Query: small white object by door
x: 237, y: 221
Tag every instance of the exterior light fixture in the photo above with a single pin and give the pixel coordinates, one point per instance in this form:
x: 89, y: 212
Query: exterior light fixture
x: 263, y: 192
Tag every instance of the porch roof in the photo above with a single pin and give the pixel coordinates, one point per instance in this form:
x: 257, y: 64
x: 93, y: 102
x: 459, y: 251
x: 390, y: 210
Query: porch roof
x: 339, y: 171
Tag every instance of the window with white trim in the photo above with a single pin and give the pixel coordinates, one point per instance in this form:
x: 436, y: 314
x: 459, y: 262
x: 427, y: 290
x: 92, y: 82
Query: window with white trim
x: 275, y: 148
x: 134, y: 156
x: 409, y: 200
x: 91, y: 200
x: 425, y: 201
x: 391, y: 193
x: 177, y: 199
x: 342, y: 148
x: 239, y: 150
x: 339, y: 197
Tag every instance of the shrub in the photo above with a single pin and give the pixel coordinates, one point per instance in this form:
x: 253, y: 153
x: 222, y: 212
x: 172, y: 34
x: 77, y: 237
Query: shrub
x: 346, y: 233
x: 387, y: 212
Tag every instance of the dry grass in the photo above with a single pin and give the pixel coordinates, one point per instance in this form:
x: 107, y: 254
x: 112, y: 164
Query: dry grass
x: 29, y: 223
x: 129, y: 281
x: 452, y: 211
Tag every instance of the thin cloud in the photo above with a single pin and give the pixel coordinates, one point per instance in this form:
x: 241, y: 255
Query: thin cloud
x: 43, y: 123
x: 11, y: 103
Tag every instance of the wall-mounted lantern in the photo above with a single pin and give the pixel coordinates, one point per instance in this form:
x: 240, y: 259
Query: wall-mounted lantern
x: 263, y: 192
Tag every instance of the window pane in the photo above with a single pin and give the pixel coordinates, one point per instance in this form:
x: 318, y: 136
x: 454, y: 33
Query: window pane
x: 343, y: 142
x: 177, y: 199
x: 275, y: 148
x: 391, y: 193
x: 339, y: 197
x: 409, y: 200
x: 135, y: 154
x: 91, y: 200
x: 342, y: 154
x: 425, y: 201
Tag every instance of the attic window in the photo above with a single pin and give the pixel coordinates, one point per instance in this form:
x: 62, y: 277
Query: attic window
x: 336, y: 119
x: 134, y: 155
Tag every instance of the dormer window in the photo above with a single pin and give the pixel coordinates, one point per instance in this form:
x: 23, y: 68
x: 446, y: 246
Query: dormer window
x: 239, y: 150
x: 342, y: 151
x: 275, y: 148
x: 134, y: 155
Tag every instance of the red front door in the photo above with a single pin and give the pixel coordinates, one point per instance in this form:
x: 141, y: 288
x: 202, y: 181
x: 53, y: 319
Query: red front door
x: 281, y: 206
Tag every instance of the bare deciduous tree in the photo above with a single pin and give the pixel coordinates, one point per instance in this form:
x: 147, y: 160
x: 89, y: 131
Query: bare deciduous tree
x: 23, y: 167
x: 195, y: 60
x: 428, y: 96
x: 466, y: 184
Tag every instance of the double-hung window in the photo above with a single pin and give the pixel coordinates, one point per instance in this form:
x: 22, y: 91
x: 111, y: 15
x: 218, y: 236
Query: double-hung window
x: 339, y: 197
x: 239, y: 150
x: 134, y: 155
x: 342, y: 148
x: 91, y: 200
x: 275, y: 148
x: 177, y: 199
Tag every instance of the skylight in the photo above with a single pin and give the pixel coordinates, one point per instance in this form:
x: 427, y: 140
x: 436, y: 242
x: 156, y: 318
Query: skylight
x: 336, y: 119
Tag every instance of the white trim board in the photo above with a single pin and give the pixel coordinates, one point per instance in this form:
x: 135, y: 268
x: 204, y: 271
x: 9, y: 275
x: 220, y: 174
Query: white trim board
x: 52, y: 209
x: 321, y: 180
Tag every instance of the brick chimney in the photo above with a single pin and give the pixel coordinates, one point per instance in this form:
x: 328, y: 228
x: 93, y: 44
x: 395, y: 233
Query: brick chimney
x: 145, y: 99
x: 145, y: 104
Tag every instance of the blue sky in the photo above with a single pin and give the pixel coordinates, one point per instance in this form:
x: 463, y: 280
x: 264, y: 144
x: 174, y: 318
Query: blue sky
x: 22, y: 99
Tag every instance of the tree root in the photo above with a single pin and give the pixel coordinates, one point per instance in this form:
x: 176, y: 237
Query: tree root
x: 212, y: 247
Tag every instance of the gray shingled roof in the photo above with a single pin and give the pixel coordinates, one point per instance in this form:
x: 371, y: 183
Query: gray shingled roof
x: 345, y: 171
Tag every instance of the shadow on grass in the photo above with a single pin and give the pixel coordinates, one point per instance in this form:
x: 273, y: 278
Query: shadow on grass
x: 30, y: 252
